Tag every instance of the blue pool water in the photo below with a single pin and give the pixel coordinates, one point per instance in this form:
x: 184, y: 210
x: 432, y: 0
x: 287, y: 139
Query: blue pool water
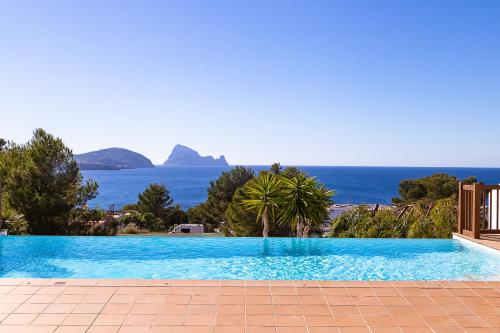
x: 244, y: 258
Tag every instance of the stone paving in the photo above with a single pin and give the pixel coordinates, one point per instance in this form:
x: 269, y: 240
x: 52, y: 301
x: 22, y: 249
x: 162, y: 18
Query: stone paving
x: 188, y: 306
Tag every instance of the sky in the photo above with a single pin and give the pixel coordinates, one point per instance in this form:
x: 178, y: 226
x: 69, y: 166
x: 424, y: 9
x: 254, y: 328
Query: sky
x: 374, y: 82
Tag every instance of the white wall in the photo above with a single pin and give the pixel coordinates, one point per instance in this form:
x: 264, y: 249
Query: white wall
x: 493, y: 207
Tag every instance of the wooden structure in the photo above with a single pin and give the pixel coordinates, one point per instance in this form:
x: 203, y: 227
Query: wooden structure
x: 478, y: 209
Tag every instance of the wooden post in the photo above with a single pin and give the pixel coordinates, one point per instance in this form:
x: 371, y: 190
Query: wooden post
x: 461, y: 209
x: 476, y: 209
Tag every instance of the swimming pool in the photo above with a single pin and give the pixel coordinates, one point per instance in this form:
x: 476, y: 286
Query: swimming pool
x: 245, y: 258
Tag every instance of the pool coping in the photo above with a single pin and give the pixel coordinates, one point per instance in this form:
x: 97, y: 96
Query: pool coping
x: 484, y: 244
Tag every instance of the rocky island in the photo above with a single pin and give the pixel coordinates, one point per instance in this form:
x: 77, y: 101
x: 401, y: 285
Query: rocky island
x: 112, y: 159
x: 182, y: 156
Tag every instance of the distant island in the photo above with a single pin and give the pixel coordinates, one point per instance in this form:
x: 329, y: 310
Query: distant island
x: 112, y: 159
x: 182, y: 156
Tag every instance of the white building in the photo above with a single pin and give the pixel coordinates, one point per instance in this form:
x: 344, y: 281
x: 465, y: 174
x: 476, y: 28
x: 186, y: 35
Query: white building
x: 188, y: 229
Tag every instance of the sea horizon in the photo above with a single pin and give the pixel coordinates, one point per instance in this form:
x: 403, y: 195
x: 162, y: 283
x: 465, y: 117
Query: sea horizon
x: 188, y: 185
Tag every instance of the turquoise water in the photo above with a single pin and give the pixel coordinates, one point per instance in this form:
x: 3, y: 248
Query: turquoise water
x: 244, y: 258
x: 189, y: 185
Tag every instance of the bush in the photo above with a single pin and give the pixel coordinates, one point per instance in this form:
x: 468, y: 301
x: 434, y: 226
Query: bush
x: 131, y: 228
x: 15, y: 223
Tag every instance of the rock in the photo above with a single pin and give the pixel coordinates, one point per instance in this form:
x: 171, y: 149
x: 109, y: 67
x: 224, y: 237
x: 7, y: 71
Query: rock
x: 184, y: 156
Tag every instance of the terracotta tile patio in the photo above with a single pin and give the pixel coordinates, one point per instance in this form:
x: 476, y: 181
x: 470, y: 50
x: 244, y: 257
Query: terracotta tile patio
x: 184, y: 306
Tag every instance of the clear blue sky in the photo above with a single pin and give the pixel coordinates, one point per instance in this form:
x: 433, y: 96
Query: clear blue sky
x: 302, y: 82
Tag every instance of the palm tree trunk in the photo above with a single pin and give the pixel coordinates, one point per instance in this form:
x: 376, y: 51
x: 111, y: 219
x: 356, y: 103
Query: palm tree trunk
x: 305, y: 232
x: 300, y: 227
x: 265, y: 223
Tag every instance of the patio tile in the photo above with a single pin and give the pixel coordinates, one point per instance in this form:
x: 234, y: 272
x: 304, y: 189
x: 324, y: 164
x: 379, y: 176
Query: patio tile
x: 177, y: 299
x: 30, y: 308
x: 19, y: 319
x: 313, y: 320
x: 259, y: 329
x: 169, y: 319
x: 469, y: 321
x: 229, y: 329
x: 371, y: 310
x: 260, y: 320
x: 285, y: 299
x: 231, y: 299
x: 257, y: 291
x: 79, y: 319
x: 109, y: 320
x: 14, y: 299
x: 357, y: 329
x: 203, y: 309
x: 117, y: 308
x: 439, y: 321
x: 312, y: 299
x: 41, y: 299
x: 200, y: 319
x: 94, y: 299
x: 232, y: 291
x: 104, y: 329
x: 197, y: 329
x: 59, y: 308
x: 166, y: 329
x: 314, y: 309
x: 380, y: 321
x: 145, y: 309
x: 283, y: 291
x: 230, y: 320
x: 323, y: 329
x: 121, y: 298
x: 231, y: 309
x: 287, y: 309
x: 289, y: 320
x: 71, y: 329
x: 88, y: 308
x: 49, y: 319
x: 352, y: 320
x: 283, y: 329
x: 260, y: 309
x: 205, y: 299
x: 39, y: 329
x: 249, y: 306
x: 173, y: 309
x: 134, y: 329
x: 139, y: 320
x: 70, y: 298
x: 344, y: 310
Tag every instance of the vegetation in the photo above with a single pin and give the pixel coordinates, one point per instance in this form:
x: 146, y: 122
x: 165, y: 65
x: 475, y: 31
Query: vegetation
x: 262, y: 196
x: 304, y: 203
x: 283, y: 202
x: 429, y: 189
x: 212, y: 212
x: 41, y: 181
x: 154, y: 211
x: 426, y: 208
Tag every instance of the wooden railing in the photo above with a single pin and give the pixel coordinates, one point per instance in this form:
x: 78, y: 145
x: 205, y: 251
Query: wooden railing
x: 478, y: 209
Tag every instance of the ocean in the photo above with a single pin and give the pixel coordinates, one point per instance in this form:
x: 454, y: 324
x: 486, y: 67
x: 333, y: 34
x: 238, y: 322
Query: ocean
x: 188, y: 186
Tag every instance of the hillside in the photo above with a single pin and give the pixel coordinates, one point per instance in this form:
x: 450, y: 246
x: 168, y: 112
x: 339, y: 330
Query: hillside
x: 112, y: 159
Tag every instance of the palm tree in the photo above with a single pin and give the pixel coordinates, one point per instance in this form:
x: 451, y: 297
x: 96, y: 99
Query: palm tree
x: 262, y: 195
x: 304, y: 202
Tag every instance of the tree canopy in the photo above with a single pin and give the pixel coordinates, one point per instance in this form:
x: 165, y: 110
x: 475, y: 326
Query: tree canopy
x: 428, y: 189
x: 155, y: 199
x: 42, y: 181
x: 211, y: 213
